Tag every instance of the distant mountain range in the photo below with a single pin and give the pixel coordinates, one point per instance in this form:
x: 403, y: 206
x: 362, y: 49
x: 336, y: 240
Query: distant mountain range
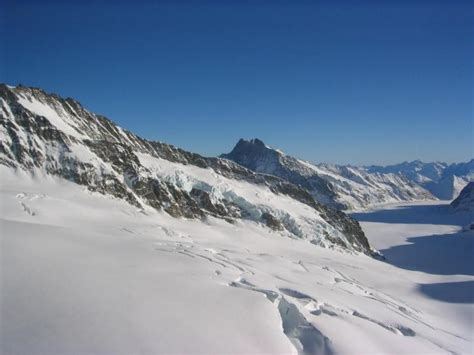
x: 445, y: 181
x: 350, y: 187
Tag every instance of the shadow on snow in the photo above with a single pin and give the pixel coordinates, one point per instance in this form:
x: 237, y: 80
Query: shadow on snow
x: 415, y: 214
x: 452, y: 292
x: 445, y: 254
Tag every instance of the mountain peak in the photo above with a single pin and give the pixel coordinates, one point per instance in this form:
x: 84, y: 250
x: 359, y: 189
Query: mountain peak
x: 254, y: 154
x: 255, y: 142
x: 253, y: 146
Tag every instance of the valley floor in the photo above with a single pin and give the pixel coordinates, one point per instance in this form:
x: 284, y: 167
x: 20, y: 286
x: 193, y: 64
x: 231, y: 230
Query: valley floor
x: 84, y: 273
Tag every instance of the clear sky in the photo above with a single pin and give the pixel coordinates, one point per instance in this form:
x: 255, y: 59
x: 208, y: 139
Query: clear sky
x: 356, y: 82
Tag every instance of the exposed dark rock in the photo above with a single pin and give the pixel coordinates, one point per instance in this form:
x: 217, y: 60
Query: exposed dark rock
x: 465, y: 200
x: 272, y: 222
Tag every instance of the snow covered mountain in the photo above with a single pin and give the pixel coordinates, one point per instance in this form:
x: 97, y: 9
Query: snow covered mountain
x: 112, y: 244
x: 443, y: 180
x: 46, y: 135
x: 465, y: 200
x: 342, y: 187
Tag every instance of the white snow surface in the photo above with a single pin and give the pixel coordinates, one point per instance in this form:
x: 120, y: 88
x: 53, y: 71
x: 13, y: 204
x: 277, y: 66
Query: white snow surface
x: 61, y: 122
x: 84, y: 273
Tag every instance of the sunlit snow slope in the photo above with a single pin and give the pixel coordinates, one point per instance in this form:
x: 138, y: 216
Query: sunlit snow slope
x: 87, y: 273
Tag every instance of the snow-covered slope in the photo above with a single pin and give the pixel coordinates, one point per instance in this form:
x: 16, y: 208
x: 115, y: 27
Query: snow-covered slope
x: 445, y: 181
x: 86, y: 273
x: 44, y: 134
x: 465, y: 200
x: 344, y: 187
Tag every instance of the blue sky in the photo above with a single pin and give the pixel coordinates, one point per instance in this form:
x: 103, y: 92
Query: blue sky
x: 337, y: 81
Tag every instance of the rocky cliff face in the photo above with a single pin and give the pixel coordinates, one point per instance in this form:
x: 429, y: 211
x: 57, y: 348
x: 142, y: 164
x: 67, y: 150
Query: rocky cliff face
x: 48, y: 135
x: 342, y: 187
x: 465, y: 200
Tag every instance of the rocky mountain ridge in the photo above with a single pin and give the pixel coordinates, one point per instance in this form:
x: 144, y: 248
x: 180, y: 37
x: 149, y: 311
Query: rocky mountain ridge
x: 45, y: 134
x: 342, y: 187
